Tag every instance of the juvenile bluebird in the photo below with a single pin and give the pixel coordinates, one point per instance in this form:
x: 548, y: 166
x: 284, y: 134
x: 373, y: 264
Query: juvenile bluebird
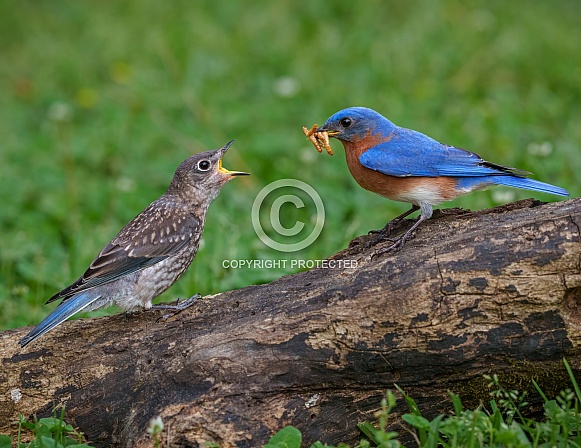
x: 408, y: 166
x: 151, y: 252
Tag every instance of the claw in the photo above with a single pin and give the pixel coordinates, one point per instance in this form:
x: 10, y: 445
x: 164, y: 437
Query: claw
x: 177, y: 308
x: 395, y: 247
x: 399, y: 243
x: 383, y: 233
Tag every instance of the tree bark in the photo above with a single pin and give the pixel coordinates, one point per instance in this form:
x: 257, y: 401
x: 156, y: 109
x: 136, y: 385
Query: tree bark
x: 495, y: 291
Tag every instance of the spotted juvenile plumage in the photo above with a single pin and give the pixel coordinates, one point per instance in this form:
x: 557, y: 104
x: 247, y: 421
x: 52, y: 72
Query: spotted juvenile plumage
x: 152, y: 251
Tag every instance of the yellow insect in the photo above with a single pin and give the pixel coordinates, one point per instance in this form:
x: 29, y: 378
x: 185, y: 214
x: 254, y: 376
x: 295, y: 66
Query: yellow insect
x: 320, y: 140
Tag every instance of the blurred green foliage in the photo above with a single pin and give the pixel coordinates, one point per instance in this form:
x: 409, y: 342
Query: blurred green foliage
x: 101, y: 101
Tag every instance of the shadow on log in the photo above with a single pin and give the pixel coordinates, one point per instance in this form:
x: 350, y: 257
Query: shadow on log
x: 496, y: 291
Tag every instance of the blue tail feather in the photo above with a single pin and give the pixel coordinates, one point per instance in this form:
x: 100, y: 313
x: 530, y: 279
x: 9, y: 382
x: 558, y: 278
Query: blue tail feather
x: 529, y: 184
x: 61, y: 313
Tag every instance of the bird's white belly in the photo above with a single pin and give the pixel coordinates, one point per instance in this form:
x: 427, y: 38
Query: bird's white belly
x: 421, y: 193
x: 151, y: 282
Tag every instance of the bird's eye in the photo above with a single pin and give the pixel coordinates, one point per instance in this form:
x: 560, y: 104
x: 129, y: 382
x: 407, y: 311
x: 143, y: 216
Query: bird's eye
x: 345, y: 122
x: 204, y: 165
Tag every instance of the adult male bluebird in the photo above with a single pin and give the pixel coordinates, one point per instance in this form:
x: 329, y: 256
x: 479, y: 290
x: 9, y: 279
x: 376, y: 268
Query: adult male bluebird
x: 407, y: 166
x: 151, y: 252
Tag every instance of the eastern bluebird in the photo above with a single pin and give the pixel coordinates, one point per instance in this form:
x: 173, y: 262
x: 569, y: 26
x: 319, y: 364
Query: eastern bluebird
x: 151, y: 252
x: 407, y: 166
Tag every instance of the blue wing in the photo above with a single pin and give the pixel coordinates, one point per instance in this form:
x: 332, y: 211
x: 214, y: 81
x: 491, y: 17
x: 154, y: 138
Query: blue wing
x: 411, y: 153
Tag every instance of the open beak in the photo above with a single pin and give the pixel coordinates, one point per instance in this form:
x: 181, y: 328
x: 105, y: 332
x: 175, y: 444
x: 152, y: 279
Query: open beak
x: 223, y: 170
x: 329, y: 132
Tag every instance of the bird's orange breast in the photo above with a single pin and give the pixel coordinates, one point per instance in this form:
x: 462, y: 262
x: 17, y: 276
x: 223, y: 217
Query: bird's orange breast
x: 405, y: 189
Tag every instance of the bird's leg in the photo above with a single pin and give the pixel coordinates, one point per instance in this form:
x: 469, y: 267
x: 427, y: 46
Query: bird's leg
x: 178, y: 307
x: 398, y: 243
x: 386, y: 231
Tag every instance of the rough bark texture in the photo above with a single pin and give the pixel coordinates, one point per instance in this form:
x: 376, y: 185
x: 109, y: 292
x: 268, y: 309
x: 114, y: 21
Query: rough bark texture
x: 496, y: 291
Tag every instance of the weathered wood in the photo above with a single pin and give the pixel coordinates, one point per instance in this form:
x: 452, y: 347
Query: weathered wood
x: 496, y: 291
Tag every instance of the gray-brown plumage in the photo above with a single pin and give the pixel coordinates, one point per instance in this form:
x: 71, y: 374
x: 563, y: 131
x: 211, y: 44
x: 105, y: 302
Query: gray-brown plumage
x: 151, y: 252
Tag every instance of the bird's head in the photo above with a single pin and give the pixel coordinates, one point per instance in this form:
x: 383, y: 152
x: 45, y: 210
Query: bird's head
x: 355, y: 123
x: 203, y: 175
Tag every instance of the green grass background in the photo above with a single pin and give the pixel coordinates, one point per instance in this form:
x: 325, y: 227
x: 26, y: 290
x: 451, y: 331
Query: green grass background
x: 100, y: 102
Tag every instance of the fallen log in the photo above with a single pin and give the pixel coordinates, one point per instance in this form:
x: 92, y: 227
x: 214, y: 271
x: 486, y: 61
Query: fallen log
x: 495, y: 291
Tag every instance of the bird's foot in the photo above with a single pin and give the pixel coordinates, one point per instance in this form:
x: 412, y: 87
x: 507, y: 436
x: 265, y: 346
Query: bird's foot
x: 385, y: 231
x: 178, y: 307
x: 398, y: 244
x: 393, y: 224
x: 382, y: 234
x: 395, y: 247
x: 368, y: 243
